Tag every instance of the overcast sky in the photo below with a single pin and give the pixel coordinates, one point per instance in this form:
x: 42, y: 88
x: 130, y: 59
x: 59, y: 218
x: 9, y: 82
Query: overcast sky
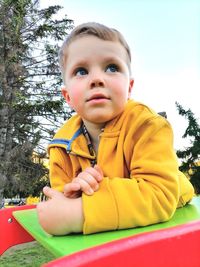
x: 164, y: 36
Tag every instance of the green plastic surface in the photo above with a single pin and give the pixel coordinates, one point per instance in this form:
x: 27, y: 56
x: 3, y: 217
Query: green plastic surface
x: 65, y: 245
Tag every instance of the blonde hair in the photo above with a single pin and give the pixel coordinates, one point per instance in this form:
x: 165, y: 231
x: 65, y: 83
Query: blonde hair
x: 95, y: 29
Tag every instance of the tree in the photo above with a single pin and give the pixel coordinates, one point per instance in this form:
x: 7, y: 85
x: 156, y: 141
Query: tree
x: 191, y: 155
x: 31, y: 106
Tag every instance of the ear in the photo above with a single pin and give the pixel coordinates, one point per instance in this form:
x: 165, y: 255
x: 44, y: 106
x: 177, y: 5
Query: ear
x: 66, y: 95
x: 131, y: 83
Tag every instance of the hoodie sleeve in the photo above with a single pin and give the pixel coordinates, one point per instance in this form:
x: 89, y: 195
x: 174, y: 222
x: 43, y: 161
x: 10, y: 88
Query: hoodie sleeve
x: 59, y: 168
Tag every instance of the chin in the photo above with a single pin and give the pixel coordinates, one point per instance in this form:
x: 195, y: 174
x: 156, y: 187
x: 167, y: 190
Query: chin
x: 100, y: 119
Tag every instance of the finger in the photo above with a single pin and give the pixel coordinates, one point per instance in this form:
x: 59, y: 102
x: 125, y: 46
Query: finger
x: 49, y: 192
x: 94, y: 173
x: 84, y: 185
x: 87, y: 177
x: 97, y: 168
x: 71, y: 188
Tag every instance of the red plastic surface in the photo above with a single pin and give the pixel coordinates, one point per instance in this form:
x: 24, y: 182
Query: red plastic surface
x: 11, y: 232
x: 172, y: 247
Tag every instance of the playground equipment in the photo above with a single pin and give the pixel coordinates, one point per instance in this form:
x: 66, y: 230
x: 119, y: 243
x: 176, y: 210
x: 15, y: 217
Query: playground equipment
x: 173, y: 243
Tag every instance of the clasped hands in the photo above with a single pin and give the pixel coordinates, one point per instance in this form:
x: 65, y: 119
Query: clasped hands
x: 62, y: 213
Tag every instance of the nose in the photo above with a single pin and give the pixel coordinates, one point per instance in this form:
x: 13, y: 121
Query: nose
x: 96, y: 81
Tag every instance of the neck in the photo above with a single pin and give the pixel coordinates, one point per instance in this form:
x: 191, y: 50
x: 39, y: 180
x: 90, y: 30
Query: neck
x: 94, y: 131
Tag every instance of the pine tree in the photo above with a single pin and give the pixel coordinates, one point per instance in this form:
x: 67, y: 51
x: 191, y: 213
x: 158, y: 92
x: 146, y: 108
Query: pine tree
x: 31, y: 106
x: 191, y: 155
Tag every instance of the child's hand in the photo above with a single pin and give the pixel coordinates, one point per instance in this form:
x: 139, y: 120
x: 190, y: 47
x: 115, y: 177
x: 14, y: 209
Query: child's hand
x: 60, y: 215
x: 87, y: 182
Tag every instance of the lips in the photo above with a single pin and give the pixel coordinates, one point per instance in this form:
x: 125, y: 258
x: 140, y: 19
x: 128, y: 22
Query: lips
x: 97, y: 96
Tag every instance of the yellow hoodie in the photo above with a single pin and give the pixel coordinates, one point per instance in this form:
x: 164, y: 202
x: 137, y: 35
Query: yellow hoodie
x: 142, y: 184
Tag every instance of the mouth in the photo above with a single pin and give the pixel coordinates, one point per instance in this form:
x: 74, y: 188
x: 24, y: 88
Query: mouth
x: 97, y: 97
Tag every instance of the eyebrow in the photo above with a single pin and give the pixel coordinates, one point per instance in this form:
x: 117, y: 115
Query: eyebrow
x: 79, y: 63
x: 83, y: 62
x: 104, y: 59
x: 108, y: 59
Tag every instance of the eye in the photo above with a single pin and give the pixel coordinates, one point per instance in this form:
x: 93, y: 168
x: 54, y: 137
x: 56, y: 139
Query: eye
x: 112, y: 68
x: 80, y: 72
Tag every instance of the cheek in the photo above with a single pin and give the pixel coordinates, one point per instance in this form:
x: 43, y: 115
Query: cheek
x: 120, y: 87
x: 75, y: 99
x: 75, y: 93
x: 76, y: 96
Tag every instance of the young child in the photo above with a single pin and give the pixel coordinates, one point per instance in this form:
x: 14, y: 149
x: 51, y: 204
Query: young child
x: 112, y: 165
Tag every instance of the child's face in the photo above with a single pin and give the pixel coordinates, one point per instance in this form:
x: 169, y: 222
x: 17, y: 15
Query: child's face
x: 97, y: 79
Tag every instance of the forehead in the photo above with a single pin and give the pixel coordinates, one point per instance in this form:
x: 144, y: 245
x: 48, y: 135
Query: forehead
x: 91, y: 46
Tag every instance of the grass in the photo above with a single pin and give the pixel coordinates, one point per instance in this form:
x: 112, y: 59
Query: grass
x: 26, y: 255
